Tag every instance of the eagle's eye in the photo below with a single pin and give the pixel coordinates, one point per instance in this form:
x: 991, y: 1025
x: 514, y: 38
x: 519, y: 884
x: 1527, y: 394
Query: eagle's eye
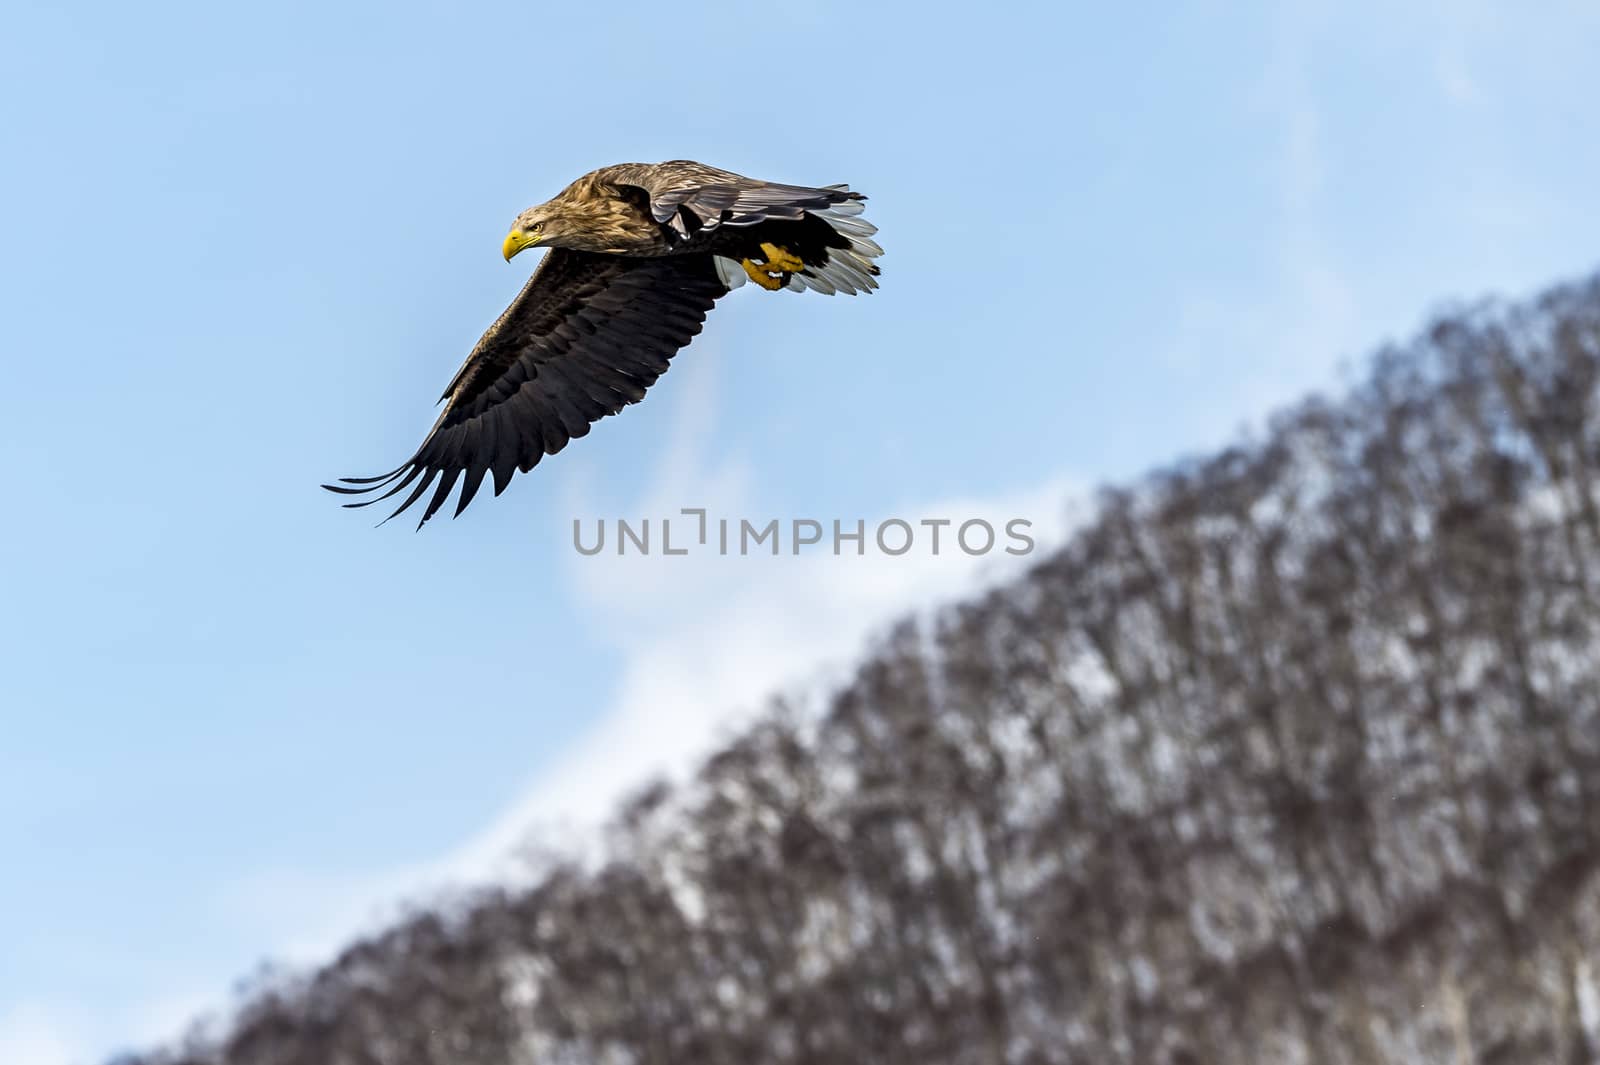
x: 535, y: 228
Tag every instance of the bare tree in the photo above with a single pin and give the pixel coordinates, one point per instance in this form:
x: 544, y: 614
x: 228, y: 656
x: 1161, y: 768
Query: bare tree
x: 1291, y: 755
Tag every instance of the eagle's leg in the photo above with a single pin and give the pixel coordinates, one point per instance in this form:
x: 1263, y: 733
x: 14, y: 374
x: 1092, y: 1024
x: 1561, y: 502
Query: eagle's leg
x: 771, y: 273
x: 759, y: 275
x: 782, y: 260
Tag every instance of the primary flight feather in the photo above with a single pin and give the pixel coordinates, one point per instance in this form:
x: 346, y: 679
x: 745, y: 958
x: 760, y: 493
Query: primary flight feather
x: 638, y: 254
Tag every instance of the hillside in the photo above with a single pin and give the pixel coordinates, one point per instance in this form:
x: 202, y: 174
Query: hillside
x: 1292, y: 754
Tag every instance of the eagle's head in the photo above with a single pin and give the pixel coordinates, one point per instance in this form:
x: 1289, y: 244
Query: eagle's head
x: 585, y: 217
x: 543, y: 224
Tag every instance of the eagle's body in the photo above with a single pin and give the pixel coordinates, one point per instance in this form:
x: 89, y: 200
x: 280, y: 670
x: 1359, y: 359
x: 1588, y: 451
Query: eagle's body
x: 639, y: 253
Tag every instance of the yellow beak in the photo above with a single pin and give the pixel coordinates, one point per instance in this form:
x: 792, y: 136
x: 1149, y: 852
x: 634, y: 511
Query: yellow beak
x: 516, y: 240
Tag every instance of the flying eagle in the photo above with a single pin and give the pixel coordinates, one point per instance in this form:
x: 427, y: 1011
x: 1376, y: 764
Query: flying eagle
x: 638, y: 254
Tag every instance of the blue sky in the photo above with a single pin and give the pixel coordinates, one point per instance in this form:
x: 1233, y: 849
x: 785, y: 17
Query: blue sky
x: 246, y: 248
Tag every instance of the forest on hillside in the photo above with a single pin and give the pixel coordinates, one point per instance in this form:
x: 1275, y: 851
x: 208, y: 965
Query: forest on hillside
x: 1290, y: 755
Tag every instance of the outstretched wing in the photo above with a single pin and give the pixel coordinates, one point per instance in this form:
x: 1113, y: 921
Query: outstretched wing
x: 585, y: 337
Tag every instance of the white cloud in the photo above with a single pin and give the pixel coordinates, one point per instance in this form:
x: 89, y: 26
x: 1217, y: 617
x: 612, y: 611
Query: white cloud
x: 707, y: 638
x: 704, y: 640
x: 34, y: 1034
x: 170, y: 1016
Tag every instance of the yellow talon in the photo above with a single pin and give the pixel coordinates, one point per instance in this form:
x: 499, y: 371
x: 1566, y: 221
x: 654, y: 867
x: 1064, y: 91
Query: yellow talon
x: 774, y: 271
x: 782, y: 260
x: 758, y: 274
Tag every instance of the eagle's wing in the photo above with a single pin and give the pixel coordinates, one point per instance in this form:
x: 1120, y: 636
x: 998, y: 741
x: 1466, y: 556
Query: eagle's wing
x: 585, y: 337
x: 689, y: 196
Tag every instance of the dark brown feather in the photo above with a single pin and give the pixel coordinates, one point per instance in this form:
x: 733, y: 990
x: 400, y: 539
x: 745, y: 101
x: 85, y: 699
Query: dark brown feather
x: 586, y: 336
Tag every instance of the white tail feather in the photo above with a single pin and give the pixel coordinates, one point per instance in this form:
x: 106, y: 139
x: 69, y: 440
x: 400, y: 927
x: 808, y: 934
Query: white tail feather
x: 849, y: 270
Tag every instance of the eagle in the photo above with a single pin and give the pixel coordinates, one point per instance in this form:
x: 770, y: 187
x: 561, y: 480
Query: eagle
x: 638, y: 253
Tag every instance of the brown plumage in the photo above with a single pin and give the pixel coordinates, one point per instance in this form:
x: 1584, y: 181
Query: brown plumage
x: 639, y: 253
